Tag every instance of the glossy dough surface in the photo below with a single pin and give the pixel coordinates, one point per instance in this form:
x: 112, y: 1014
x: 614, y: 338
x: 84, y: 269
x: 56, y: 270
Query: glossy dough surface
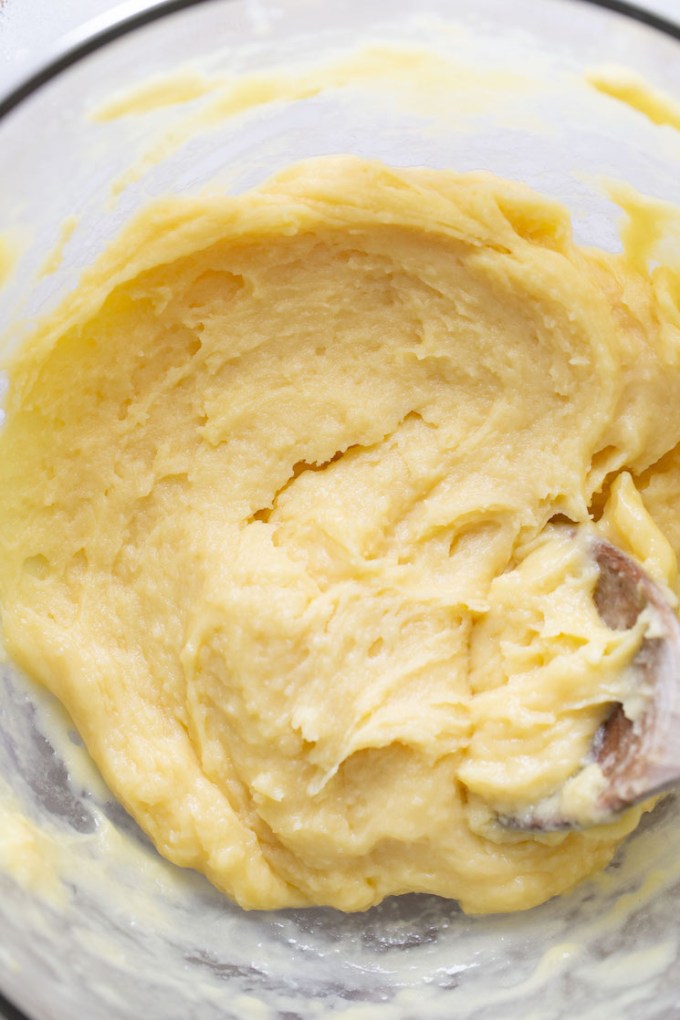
x: 275, y: 491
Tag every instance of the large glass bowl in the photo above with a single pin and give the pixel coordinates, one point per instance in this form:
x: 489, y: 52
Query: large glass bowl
x: 100, y: 926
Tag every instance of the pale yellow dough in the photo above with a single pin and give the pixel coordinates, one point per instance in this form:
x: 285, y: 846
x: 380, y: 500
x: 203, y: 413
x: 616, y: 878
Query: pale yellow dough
x: 275, y: 491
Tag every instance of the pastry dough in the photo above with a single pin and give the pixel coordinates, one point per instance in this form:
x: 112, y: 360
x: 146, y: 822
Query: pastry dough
x: 278, y: 490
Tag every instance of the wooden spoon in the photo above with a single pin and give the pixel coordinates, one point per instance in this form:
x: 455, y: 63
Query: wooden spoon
x: 640, y: 758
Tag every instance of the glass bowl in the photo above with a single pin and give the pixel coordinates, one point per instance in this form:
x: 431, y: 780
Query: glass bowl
x: 93, y: 922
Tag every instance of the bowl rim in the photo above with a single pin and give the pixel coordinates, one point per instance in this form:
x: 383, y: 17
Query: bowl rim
x: 92, y: 37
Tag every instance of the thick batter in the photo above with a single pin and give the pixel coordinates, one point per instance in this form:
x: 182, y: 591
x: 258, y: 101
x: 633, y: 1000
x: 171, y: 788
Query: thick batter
x: 276, y: 491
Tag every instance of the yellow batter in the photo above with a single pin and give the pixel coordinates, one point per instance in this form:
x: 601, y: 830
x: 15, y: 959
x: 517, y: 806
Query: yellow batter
x: 276, y: 485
